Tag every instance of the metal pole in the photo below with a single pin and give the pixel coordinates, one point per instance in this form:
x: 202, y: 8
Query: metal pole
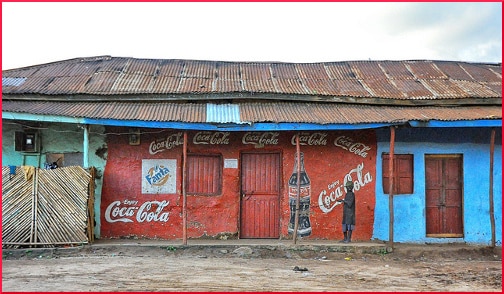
x: 492, y: 219
x: 184, y: 194
x: 391, y: 188
x: 86, y: 147
x: 298, y: 192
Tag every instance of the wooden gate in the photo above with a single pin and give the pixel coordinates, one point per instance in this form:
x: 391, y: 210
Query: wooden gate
x: 260, y: 195
x: 46, y: 207
x: 443, y: 186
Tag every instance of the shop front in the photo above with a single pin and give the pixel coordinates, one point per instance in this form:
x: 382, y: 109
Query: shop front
x: 236, y: 184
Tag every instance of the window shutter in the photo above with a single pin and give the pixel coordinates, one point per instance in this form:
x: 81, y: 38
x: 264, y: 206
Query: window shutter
x: 204, y: 174
x: 403, y: 173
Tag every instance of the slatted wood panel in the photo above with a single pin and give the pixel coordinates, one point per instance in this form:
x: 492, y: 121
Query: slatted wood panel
x: 260, y: 186
x: 403, y: 173
x: 50, y: 208
x: 204, y: 174
x: 443, y: 177
x: 16, y: 206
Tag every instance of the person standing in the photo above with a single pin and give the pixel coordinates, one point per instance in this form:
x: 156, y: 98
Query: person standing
x: 348, y: 212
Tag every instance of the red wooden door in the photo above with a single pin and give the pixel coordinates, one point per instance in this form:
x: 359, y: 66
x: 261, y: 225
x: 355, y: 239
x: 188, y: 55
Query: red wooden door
x: 260, y: 195
x: 443, y: 178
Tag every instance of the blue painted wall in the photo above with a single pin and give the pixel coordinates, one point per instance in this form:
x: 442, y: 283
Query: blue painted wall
x: 409, y: 210
x: 59, y: 138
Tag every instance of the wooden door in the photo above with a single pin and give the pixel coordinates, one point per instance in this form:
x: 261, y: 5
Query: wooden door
x: 260, y: 195
x: 443, y: 186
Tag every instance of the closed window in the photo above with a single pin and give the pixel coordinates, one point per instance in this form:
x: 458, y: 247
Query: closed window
x: 403, y: 173
x: 204, y: 174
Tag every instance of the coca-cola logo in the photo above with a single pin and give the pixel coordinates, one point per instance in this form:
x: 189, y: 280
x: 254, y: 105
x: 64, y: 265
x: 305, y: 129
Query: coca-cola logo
x: 314, y: 139
x: 303, y: 191
x: 167, y: 143
x: 328, y: 198
x: 157, y: 175
x: 129, y: 210
x: 348, y: 144
x: 212, y: 138
x: 259, y: 139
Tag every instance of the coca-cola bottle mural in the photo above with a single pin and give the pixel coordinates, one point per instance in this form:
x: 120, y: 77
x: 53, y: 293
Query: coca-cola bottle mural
x: 304, y: 226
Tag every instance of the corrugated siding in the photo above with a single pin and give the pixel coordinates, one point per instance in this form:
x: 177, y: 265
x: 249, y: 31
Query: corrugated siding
x: 412, y: 88
x: 396, y: 70
x: 325, y: 113
x: 380, y: 79
x: 223, y: 113
x: 16, y: 82
x: 454, y: 71
x: 425, y: 70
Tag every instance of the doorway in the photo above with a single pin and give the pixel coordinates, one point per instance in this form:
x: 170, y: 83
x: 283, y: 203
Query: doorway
x: 260, y: 195
x: 443, y: 188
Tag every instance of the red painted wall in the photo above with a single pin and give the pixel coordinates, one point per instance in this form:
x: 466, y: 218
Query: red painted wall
x: 328, y: 158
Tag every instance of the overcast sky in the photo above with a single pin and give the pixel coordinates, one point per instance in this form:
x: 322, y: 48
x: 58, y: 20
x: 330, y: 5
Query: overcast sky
x: 36, y: 33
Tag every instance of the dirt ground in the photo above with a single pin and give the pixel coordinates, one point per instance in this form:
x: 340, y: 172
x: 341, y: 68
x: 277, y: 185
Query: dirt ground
x: 248, y: 269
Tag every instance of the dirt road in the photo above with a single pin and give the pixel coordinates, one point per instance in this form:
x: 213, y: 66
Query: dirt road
x: 244, y: 269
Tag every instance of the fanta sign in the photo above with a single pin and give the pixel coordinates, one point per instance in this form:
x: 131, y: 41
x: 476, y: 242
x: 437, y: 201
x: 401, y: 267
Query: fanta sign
x: 129, y: 211
x: 159, y: 176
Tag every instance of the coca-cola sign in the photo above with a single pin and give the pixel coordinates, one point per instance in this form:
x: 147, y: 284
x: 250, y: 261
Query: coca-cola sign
x: 171, y: 141
x: 327, y: 199
x: 259, y: 139
x: 348, y: 144
x: 211, y: 138
x: 129, y: 211
x: 311, y: 139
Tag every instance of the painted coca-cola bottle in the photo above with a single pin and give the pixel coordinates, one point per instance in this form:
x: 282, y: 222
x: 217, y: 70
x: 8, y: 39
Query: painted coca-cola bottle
x: 304, y: 226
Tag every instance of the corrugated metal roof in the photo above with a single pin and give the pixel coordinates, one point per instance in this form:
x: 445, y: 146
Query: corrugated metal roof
x: 390, y: 80
x: 223, y: 113
x: 15, y: 82
x: 319, y: 113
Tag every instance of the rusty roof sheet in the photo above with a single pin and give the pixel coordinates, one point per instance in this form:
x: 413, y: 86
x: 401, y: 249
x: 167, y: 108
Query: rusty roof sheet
x: 388, y: 80
x: 319, y: 113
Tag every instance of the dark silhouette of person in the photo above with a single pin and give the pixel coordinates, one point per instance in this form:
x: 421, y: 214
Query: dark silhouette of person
x: 348, y: 212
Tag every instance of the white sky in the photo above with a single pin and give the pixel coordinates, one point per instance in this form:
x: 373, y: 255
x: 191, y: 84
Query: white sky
x: 36, y: 33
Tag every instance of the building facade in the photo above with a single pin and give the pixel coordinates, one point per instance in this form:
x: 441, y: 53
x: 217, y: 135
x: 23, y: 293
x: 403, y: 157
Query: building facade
x: 211, y: 161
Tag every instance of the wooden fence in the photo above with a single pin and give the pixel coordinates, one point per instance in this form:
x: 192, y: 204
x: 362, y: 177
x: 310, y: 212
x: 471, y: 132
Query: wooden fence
x: 46, y: 208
